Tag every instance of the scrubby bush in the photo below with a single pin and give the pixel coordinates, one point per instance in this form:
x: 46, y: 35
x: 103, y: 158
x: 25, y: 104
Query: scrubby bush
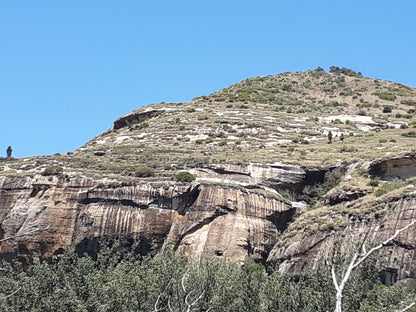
x: 345, y: 71
x: 408, y: 102
x: 53, y: 170
x: 144, y: 171
x: 144, y: 125
x: 410, y: 134
x: 387, y: 109
x: 388, y: 96
x: 184, y: 176
x: 374, y: 182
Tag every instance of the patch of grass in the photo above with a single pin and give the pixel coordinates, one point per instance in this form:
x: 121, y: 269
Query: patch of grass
x: 362, y: 172
x: 348, y: 149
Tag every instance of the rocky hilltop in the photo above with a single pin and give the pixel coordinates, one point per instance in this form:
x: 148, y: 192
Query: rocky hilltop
x: 279, y: 168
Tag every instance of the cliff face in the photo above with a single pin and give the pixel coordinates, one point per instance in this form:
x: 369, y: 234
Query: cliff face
x: 46, y: 214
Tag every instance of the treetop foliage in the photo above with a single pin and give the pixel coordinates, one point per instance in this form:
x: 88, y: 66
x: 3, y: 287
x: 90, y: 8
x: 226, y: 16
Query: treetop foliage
x: 125, y: 281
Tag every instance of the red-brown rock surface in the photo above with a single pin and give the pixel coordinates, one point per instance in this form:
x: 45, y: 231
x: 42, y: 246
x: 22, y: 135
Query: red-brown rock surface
x: 47, y: 214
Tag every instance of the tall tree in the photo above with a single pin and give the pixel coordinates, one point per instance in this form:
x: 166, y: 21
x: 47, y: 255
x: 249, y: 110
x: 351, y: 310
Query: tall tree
x: 9, y: 151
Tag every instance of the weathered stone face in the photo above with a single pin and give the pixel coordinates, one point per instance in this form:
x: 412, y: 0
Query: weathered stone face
x: 402, y: 167
x: 303, y: 250
x: 48, y: 214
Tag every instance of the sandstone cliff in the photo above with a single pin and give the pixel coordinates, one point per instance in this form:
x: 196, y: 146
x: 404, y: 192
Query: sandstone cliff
x: 202, y: 218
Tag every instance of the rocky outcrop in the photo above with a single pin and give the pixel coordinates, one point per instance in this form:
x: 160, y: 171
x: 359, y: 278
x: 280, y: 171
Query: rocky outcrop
x: 45, y: 214
x: 278, y: 176
x: 402, y: 167
x: 134, y: 117
x: 307, y: 248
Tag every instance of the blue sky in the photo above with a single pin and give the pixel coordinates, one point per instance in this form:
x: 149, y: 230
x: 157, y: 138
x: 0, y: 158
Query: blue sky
x: 69, y: 68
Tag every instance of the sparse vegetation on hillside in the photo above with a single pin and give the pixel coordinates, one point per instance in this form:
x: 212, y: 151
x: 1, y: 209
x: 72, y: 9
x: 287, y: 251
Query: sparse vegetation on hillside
x: 285, y: 117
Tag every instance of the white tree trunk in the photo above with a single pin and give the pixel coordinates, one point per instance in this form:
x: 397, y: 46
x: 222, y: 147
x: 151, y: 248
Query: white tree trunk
x: 356, y: 260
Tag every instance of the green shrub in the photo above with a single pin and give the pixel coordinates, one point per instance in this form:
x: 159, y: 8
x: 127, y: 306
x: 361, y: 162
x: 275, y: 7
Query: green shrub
x: 184, y: 176
x: 364, y: 105
x: 387, y: 109
x: 202, y: 117
x: 52, y: 170
x: 144, y: 171
x: 410, y: 134
x: 388, y: 96
x: 337, y: 122
x: 143, y: 125
x: 374, y: 182
x: 408, y: 102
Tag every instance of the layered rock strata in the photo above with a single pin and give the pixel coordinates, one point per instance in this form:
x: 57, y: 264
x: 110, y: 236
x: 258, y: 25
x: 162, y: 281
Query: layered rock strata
x: 45, y: 214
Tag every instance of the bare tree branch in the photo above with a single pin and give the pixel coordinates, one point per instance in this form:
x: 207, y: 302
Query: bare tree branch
x: 156, y: 309
x: 170, y: 307
x: 183, y: 280
x: 406, y: 307
x: 356, y: 260
x: 9, y: 295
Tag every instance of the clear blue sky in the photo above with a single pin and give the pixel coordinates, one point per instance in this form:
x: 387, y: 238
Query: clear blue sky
x: 69, y: 68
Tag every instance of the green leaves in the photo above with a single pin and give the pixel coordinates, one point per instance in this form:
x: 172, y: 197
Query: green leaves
x: 132, y: 283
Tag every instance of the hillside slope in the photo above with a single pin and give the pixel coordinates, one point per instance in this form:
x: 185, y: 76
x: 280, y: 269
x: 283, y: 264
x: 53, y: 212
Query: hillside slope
x: 282, y: 166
